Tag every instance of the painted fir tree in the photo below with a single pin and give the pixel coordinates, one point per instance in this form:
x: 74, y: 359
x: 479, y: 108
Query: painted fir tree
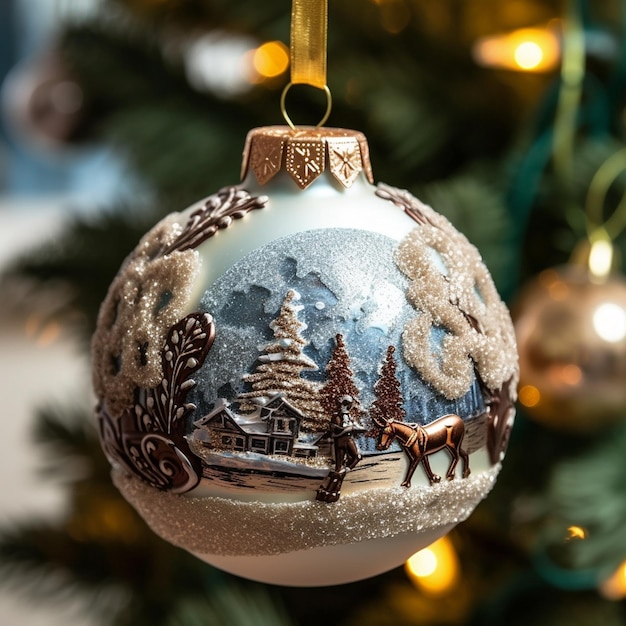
x: 339, y: 382
x: 280, y: 368
x: 389, y: 402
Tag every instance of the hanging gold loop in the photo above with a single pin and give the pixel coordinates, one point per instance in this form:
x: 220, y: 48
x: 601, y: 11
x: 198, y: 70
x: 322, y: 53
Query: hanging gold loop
x: 309, y: 27
x: 283, y: 107
x: 600, y: 184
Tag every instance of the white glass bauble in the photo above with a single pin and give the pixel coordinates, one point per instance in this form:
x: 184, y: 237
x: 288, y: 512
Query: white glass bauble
x: 306, y: 379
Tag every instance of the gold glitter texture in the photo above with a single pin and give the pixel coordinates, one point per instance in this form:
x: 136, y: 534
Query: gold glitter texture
x: 147, y: 297
x: 451, y: 289
x: 279, y: 369
x: 212, y: 525
x: 151, y: 293
x: 305, y: 153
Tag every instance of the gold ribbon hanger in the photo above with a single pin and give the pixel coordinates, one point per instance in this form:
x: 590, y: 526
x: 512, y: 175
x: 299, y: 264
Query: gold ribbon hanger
x: 308, y: 45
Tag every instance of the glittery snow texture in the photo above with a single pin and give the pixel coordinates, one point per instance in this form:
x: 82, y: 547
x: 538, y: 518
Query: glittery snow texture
x: 149, y: 295
x: 453, y: 290
x: 212, y: 525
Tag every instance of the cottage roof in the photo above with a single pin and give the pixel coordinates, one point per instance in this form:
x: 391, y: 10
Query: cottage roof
x: 221, y: 405
x: 278, y: 401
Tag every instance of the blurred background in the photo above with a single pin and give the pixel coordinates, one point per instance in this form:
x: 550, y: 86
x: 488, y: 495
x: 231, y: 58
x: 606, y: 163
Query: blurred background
x: 507, y: 116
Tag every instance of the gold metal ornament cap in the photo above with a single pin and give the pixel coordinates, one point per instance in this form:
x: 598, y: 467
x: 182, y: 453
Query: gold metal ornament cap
x: 304, y: 153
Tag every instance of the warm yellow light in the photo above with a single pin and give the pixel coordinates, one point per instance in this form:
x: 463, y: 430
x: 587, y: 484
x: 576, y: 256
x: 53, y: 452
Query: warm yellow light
x: 270, y: 59
x: 526, y: 49
x: 558, y: 290
x: 48, y: 334
x: 609, y: 322
x: 614, y: 587
x: 528, y: 55
x: 568, y: 374
x: 576, y: 532
x: 601, y: 258
x: 547, y: 277
x: 32, y: 324
x: 423, y: 563
x: 434, y: 569
x: 529, y: 396
x: 44, y: 333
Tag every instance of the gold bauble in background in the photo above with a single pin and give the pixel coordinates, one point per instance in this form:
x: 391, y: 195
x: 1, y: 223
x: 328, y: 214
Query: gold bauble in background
x: 571, y: 334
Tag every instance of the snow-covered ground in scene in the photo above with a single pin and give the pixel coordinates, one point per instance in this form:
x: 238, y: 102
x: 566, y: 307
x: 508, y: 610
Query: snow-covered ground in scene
x: 237, y: 477
x: 260, y: 462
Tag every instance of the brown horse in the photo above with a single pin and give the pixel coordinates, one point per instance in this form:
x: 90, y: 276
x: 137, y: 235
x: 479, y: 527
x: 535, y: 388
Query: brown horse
x: 418, y: 442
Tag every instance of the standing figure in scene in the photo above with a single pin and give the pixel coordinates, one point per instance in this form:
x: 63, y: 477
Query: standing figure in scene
x: 342, y: 430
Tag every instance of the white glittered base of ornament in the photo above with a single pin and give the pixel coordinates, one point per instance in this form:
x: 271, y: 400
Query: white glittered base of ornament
x: 329, y: 565
x: 309, y: 543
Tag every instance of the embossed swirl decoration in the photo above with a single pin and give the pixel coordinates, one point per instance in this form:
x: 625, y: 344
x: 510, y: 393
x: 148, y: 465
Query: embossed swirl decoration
x: 148, y: 439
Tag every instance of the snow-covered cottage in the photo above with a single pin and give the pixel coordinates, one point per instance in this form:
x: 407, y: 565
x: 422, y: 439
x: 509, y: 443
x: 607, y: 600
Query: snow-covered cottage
x: 273, y: 429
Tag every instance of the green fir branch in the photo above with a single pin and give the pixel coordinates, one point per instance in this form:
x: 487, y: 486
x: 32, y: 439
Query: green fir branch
x: 84, y: 259
x: 476, y: 205
x: 589, y: 491
x: 99, y: 549
x: 234, y: 605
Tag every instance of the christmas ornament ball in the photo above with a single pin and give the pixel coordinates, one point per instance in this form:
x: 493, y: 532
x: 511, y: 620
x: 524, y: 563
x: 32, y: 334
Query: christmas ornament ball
x: 304, y: 379
x: 571, y: 334
x: 44, y: 103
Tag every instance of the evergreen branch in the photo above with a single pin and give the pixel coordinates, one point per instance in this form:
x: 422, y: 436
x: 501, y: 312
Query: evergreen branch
x: 63, y: 432
x: 476, y: 206
x: 119, y: 570
x: 588, y: 491
x: 46, y: 558
x: 70, y: 445
x: 79, y: 260
x: 100, y: 548
x: 234, y: 606
x: 244, y: 16
x: 418, y: 128
x: 178, y: 140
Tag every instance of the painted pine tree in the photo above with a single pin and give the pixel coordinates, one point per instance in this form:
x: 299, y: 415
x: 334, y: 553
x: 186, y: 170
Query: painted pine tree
x: 339, y: 382
x: 280, y: 367
x: 389, y: 402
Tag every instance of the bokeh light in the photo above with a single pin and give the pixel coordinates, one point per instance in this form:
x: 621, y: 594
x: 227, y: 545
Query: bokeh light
x: 434, y: 569
x: 614, y: 587
x: 575, y: 533
x: 526, y: 50
x: 609, y: 322
x: 528, y: 55
x: 270, y: 59
x: 529, y: 396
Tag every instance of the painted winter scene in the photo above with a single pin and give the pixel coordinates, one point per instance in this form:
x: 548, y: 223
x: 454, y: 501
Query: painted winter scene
x: 305, y: 390
x: 324, y: 362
